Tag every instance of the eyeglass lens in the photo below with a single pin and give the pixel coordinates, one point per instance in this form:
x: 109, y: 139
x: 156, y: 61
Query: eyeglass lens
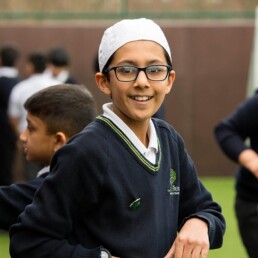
x: 153, y: 72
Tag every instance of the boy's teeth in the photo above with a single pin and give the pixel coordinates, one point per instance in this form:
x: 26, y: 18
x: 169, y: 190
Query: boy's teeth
x: 143, y: 98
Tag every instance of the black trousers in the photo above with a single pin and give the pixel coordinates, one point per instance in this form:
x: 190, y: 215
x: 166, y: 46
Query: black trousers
x: 247, y: 217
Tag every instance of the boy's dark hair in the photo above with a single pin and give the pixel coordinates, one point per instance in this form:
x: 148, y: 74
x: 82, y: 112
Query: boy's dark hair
x: 58, y: 57
x: 66, y: 108
x: 38, y: 60
x: 96, y: 63
x: 9, y: 55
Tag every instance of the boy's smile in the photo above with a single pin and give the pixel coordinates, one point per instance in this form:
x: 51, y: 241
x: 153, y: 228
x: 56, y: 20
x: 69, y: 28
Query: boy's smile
x: 141, y: 98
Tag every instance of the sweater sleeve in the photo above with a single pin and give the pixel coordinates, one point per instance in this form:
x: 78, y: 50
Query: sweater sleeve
x: 232, y: 131
x: 13, y: 200
x: 45, y: 227
x: 196, y: 201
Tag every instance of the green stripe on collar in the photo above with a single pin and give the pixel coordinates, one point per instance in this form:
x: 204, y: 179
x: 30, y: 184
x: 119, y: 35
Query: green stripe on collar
x: 143, y: 160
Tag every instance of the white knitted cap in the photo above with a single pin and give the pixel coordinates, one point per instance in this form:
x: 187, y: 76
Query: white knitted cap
x: 126, y: 31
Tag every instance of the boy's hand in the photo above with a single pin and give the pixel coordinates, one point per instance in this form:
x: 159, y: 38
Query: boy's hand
x: 192, y: 241
x: 249, y: 159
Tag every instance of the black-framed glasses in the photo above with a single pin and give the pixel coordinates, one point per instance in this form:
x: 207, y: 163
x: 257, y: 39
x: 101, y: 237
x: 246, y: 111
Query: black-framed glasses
x: 127, y: 73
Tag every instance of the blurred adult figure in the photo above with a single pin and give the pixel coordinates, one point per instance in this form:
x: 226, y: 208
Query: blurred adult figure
x: 36, y: 80
x: 231, y: 134
x: 58, y: 65
x: 9, y: 55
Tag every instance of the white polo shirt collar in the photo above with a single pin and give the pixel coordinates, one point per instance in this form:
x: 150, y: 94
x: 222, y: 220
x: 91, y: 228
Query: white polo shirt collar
x: 151, y: 151
x: 9, y: 72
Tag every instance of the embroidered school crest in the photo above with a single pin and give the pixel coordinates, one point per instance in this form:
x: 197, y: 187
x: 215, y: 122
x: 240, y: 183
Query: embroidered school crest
x: 173, y: 189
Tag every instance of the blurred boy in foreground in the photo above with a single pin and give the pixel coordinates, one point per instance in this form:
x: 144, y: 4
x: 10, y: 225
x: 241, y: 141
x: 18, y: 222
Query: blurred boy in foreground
x: 55, y: 114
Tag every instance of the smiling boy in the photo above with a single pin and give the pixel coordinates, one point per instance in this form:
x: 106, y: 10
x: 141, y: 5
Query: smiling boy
x: 131, y: 190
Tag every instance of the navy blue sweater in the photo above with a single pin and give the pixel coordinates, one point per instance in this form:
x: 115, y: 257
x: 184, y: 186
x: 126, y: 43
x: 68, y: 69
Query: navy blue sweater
x: 87, y: 200
x: 14, y: 198
x: 231, y: 134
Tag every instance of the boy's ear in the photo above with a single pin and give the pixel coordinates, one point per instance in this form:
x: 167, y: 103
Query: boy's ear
x: 103, y: 83
x: 171, y: 80
x: 60, y: 140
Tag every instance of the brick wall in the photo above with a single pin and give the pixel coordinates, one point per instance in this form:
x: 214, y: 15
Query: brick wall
x: 211, y: 60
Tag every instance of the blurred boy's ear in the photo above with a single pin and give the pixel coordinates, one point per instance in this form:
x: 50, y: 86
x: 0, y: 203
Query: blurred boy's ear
x: 61, y: 139
x: 103, y: 83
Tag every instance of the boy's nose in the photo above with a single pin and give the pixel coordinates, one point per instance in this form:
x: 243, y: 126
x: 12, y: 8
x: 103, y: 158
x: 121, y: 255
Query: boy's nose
x: 142, y: 80
x: 23, y: 136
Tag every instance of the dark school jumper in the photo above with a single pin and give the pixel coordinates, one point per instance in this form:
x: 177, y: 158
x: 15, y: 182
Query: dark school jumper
x: 102, y: 192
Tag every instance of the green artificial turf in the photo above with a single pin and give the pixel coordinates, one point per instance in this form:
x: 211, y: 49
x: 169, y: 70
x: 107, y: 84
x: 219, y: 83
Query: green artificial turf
x: 223, y: 192
x: 4, y: 245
